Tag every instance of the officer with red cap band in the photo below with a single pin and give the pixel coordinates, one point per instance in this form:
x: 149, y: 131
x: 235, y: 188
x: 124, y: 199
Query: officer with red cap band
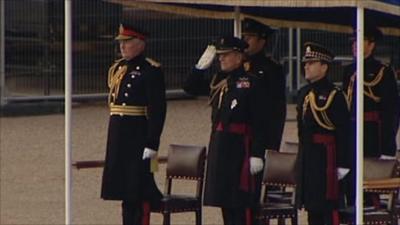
x: 137, y: 113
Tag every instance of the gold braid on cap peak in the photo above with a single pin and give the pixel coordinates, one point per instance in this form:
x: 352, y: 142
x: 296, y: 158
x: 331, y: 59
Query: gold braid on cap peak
x: 221, y: 87
x: 367, y: 89
x: 115, y: 76
x: 324, y: 121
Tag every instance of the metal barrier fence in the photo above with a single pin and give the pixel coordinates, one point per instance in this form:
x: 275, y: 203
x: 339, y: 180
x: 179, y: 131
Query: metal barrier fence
x: 34, y: 48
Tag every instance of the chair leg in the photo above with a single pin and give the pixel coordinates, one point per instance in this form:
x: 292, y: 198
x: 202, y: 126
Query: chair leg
x: 198, y: 217
x: 166, y: 218
x: 294, y: 220
x: 395, y: 220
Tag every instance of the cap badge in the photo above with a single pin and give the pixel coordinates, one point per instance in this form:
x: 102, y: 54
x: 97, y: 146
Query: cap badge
x: 308, y: 49
x: 121, y: 28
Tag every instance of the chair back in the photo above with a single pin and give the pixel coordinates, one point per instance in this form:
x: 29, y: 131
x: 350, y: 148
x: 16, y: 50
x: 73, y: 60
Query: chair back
x: 278, y: 202
x: 280, y: 169
x: 290, y: 146
x: 186, y: 162
x: 376, y: 169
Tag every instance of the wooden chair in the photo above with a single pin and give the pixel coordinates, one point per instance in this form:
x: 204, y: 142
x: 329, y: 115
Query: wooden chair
x: 185, y: 162
x: 278, y: 172
x: 290, y: 146
x: 381, y: 177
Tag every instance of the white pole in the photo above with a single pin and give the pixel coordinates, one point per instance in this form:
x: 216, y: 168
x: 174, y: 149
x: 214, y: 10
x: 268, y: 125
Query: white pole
x: 298, y: 58
x: 68, y: 87
x: 360, y: 115
x: 290, y: 60
x: 237, y: 26
x: 2, y: 55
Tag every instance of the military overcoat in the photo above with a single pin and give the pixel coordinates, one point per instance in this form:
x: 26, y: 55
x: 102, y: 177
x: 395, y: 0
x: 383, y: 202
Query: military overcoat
x: 137, y: 113
x: 238, y: 132
x: 381, y: 106
x: 273, y: 80
x: 323, y: 129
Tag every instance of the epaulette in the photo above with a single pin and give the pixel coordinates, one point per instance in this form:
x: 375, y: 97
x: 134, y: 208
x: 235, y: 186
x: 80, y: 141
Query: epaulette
x: 337, y: 88
x: 118, y: 60
x: 153, y: 62
x: 385, y: 64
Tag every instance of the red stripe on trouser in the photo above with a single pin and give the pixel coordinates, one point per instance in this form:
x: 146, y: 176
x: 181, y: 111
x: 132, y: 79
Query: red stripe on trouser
x: 247, y: 182
x: 331, y: 169
x: 249, y: 216
x: 146, y: 213
x: 335, y: 217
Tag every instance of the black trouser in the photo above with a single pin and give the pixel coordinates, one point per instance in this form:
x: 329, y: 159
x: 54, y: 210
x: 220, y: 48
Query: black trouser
x: 238, y: 216
x: 328, y: 217
x: 349, y: 187
x: 135, y: 213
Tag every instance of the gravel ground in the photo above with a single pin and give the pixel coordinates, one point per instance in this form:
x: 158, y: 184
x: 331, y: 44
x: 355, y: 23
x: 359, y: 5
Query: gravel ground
x: 32, y: 164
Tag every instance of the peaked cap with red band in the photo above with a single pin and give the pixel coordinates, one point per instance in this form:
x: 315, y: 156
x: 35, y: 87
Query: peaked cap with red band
x: 127, y: 32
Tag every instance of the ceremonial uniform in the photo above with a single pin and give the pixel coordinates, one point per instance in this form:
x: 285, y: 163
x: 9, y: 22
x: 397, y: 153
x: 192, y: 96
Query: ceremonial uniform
x: 323, y: 121
x: 381, y: 106
x: 381, y: 110
x: 238, y: 133
x: 137, y: 113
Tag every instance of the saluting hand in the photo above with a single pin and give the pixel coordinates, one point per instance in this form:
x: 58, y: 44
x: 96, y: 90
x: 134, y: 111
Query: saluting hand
x: 207, y: 58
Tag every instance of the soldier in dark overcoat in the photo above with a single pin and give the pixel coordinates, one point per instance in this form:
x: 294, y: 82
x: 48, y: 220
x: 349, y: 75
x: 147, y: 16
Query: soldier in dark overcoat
x: 272, y: 79
x: 271, y: 75
x: 323, y: 121
x: 237, y: 143
x: 137, y: 113
x: 381, y: 104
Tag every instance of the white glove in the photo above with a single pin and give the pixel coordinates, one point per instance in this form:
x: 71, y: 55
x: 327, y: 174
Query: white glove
x: 256, y: 165
x: 387, y: 157
x: 149, y: 153
x: 342, y: 172
x: 207, y: 58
